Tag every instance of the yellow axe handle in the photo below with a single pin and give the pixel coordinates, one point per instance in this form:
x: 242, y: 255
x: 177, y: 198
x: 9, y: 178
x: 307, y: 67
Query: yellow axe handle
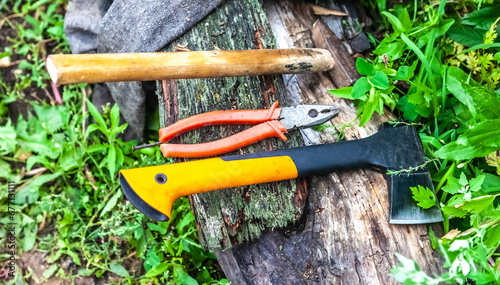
x: 154, y: 189
x: 111, y: 67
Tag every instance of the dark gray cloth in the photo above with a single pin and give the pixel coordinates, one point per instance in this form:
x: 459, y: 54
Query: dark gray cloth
x: 107, y: 26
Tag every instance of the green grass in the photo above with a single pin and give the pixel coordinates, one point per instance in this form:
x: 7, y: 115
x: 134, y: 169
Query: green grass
x: 68, y: 204
x: 438, y: 68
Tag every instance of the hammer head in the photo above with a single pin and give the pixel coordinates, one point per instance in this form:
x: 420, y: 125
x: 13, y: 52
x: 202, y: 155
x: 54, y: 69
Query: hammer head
x: 399, y: 150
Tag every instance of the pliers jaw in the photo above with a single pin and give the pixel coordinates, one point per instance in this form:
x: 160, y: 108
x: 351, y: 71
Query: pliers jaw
x: 306, y: 116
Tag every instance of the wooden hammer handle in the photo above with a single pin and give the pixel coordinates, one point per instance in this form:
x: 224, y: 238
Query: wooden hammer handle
x: 91, y: 68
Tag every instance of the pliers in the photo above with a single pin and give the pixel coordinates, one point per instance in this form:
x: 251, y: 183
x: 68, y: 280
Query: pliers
x: 272, y: 122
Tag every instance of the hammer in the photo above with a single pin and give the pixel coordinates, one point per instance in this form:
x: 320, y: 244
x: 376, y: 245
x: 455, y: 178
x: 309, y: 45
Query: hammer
x: 395, y: 148
x: 111, y: 67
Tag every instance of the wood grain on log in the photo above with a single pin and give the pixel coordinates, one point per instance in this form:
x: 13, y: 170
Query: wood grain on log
x: 344, y: 236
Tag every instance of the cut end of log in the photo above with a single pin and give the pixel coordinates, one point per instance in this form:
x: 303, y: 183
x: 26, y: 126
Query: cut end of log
x: 52, y: 69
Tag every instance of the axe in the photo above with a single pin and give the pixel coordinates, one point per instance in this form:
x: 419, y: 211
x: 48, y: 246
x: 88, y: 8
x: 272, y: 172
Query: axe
x: 153, y: 189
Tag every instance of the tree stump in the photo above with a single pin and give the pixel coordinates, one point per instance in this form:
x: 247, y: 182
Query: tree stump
x: 340, y: 232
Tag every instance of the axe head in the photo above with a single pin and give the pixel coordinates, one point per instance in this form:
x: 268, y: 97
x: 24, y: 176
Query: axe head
x: 402, y: 153
x: 404, y: 209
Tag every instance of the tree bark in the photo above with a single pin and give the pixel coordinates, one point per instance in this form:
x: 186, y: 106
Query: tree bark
x: 344, y: 236
x: 233, y: 216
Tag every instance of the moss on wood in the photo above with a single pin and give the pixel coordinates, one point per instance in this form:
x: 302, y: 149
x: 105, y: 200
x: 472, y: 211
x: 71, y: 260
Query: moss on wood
x: 232, y: 216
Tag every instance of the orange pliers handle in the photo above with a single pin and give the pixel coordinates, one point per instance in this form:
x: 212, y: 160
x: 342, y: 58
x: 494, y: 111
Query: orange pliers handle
x: 267, y: 126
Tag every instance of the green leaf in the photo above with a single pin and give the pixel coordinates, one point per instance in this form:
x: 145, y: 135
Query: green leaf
x: 466, y: 35
x: 360, y: 88
x: 34, y: 159
x: 96, y: 115
x: 486, y: 133
x: 482, y: 18
x: 425, y: 63
x: 120, y: 158
x: 118, y: 269
x: 56, y: 30
x: 30, y: 193
x: 50, y: 271
x: 8, y: 141
x: 159, y: 227
x: 157, y: 270
x: 55, y: 255
x: 342, y: 93
x: 90, y: 129
x: 491, y: 183
x: 424, y: 196
x: 97, y: 148
x: 115, y: 116
x: 458, y: 152
x: 445, y: 25
x: 111, y: 203
x: 481, y: 278
x: 463, y: 180
x: 492, y: 239
x: 479, y: 141
x: 452, y: 206
x: 152, y: 260
x: 408, y: 272
x: 111, y: 159
x: 395, y: 22
x: 71, y: 157
x: 379, y: 80
x: 476, y: 183
x: 405, y: 72
x: 481, y: 46
x: 29, y: 235
x: 404, y: 19
x: 457, y: 84
x: 452, y: 186
x: 368, y: 110
x: 387, y: 99
x: 86, y: 271
x: 52, y: 118
x: 392, y: 48
x: 181, y: 277
x: 364, y: 67
x: 5, y: 170
x: 477, y: 204
x: 185, y: 222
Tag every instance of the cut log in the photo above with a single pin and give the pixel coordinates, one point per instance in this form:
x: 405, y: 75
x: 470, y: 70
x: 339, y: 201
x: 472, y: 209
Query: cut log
x: 343, y: 236
x: 233, y: 216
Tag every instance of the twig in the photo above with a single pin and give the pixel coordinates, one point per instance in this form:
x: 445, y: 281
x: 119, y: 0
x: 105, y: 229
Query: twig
x: 53, y: 86
x: 36, y: 171
x: 57, y: 94
x: 47, y: 93
x: 90, y: 177
x: 28, y: 182
x: 411, y: 169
